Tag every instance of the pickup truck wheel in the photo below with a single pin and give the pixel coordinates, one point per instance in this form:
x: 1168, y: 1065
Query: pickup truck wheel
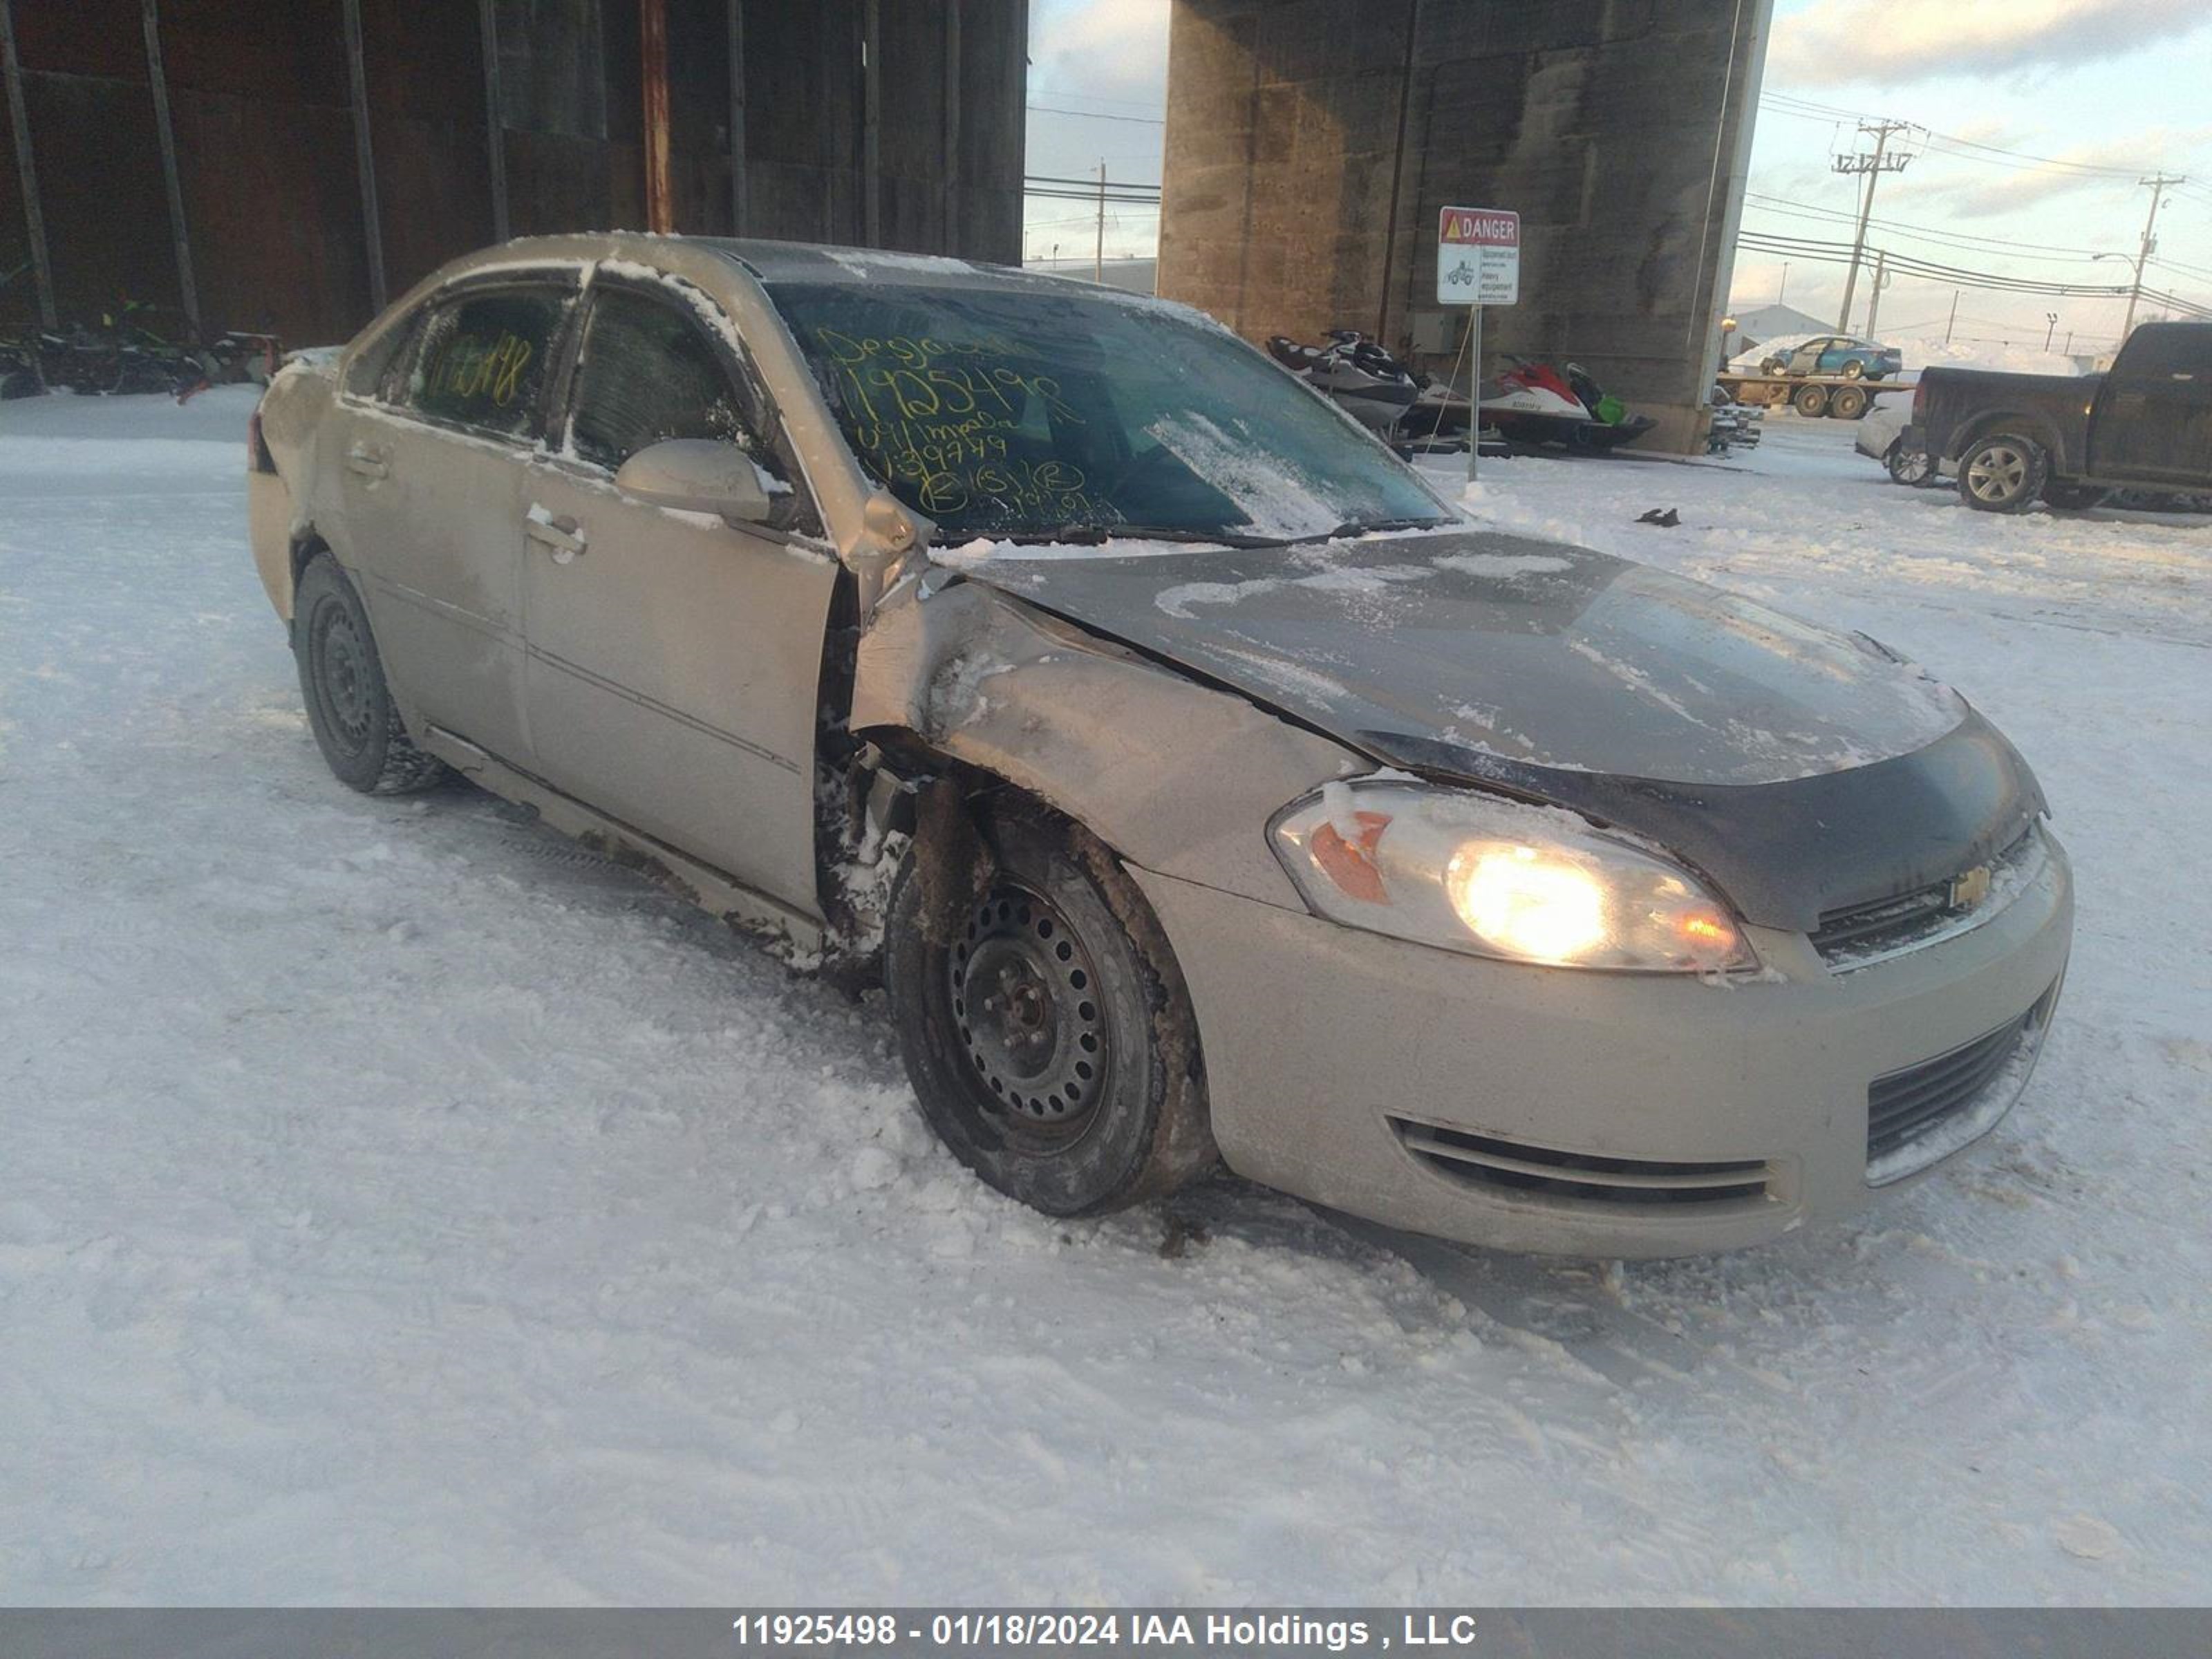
x: 1909, y: 466
x: 1853, y: 368
x: 355, y: 724
x: 1847, y: 402
x: 1812, y: 401
x: 1045, y: 1025
x: 2002, y: 472
x: 2073, y: 498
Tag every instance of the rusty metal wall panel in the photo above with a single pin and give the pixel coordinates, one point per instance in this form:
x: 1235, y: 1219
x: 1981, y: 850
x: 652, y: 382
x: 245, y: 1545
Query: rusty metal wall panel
x: 426, y: 115
x: 107, y: 225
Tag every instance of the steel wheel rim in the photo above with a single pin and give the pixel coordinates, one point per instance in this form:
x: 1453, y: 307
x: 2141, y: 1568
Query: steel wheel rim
x: 1027, y: 1010
x: 1997, y: 472
x: 340, y: 658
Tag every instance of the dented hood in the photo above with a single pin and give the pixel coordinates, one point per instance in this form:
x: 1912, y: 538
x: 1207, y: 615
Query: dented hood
x: 1805, y: 768
x: 1556, y: 656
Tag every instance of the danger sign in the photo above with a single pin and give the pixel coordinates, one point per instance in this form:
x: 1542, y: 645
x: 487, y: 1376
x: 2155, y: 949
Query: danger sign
x: 1478, y: 257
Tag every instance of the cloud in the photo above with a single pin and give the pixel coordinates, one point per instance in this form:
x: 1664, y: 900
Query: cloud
x: 1108, y: 50
x: 1982, y: 192
x: 1897, y: 41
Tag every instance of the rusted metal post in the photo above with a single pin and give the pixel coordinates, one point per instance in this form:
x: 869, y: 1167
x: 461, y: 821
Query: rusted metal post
x: 740, y: 203
x: 364, y: 156
x: 495, y: 117
x: 179, y: 232
x: 34, y: 220
x: 653, y: 74
x: 949, y: 163
x: 871, y: 112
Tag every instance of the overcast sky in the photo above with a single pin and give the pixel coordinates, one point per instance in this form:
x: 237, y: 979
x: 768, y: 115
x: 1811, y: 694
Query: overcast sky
x: 2093, y: 83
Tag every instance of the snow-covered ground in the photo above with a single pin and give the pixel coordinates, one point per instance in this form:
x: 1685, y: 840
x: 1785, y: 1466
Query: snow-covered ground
x: 400, y: 1205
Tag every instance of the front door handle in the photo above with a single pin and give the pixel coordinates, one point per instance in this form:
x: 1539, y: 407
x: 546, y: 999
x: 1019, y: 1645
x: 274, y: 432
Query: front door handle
x: 559, y: 536
x: 367, y: 462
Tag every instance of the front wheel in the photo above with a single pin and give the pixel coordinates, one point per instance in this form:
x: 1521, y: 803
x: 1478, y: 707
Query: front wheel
x: 356, y: 725
x: 1045, y: 1025
x: 1909, y: 466
x: 2003, y: 473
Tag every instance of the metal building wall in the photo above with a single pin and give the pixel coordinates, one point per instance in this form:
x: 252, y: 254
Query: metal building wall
x: 262, y: 112
x: 1311, y: 143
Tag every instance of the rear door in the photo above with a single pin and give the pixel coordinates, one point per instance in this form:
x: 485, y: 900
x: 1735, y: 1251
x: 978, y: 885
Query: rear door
x: 433, y: 461
x: 675, y: 661
x: 2152, y: 418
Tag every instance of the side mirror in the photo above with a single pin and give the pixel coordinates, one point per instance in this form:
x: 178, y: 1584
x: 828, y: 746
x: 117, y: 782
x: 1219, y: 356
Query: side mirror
x: 698, y: 475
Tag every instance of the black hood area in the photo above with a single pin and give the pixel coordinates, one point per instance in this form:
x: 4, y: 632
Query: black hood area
x: 1800, y: 769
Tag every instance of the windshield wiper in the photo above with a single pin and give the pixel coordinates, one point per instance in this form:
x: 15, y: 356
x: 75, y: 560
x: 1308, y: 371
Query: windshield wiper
x: 1091, y: 534
x: 1365, y: 526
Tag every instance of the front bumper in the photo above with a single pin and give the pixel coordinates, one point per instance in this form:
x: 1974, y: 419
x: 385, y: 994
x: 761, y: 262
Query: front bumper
x: 1584, y: 1113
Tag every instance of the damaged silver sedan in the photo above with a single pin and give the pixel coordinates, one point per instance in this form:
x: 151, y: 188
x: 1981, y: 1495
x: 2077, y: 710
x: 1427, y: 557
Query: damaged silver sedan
x: 1205, y: 789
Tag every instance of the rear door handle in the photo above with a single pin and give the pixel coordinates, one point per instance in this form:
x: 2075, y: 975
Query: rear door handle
x: 560, y: 536
x: 368, y: 462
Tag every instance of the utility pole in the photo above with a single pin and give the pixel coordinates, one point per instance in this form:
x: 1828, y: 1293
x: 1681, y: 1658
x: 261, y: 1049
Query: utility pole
x: 2051, y: 318
x: 1873, y: 167
x: 1953, y: 323
x: 1881, y: 281
x: 1784, y: 288
x: 2158, y: 182
x: 1098, y: 257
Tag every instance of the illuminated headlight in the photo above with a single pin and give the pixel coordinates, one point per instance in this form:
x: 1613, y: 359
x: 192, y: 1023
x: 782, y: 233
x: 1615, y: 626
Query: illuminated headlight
x: 1496, y: 877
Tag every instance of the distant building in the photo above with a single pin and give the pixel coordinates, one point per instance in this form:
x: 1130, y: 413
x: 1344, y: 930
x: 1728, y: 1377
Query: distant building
x: 1754, y: 324
x: 1137, y: 276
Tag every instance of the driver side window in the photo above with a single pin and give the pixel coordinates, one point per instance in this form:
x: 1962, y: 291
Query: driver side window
x: 646, y: 373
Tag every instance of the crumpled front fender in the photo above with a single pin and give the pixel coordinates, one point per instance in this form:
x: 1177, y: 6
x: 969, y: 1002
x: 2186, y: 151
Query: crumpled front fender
x: 1176, y: 775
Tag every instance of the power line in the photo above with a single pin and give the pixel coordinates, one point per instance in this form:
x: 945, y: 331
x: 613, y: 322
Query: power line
x: 1097, y: 115
x: 1783, y: 205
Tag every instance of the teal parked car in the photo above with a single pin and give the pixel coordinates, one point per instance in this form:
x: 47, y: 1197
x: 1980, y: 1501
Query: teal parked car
x: 1836, y: 354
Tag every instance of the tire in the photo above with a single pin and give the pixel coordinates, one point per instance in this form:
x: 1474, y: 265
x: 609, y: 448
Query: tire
x: 2002, y: 472
x: 1771, y: 366
x: 356, y: 725
x: 1811, y: 401
x: 1847, y: 402
x: 2073, y: 497
x: 1853, y: 368
x: 1045, y: 1025
x: 1915, y: 467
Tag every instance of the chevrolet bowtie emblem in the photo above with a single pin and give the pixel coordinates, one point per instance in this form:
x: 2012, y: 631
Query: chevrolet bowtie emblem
x: 1969, y: 887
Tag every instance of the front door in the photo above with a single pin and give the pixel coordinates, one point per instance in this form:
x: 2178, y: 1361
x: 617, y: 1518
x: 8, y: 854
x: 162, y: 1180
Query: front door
x: 2153, y: 419
x: 433, y: 467
x: 675, y: 662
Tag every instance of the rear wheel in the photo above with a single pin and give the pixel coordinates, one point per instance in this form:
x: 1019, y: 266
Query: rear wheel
x: 356, y: 725
x: 1853, y: 368
x: 1847, y: 402
x: 2002, y: 472
x: 1909, y: 466
x: 1046, y: 1026
x: 1811, y: 401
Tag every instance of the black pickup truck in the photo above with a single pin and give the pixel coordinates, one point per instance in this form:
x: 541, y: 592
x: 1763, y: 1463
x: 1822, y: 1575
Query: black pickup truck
x: 2070, y: 439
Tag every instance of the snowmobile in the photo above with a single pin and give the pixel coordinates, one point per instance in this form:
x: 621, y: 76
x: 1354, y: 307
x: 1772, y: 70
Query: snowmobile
x: 1532, y: 404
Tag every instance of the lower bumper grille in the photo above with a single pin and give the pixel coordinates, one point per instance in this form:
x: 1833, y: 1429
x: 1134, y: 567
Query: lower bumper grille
x: 1920, y: 1108
x: 1489, y: 1160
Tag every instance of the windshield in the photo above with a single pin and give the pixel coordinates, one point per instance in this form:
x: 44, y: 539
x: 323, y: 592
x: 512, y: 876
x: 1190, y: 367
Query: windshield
x: 1030, y: 414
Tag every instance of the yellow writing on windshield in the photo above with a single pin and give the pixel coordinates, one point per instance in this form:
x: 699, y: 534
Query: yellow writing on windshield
x: 961, y: 422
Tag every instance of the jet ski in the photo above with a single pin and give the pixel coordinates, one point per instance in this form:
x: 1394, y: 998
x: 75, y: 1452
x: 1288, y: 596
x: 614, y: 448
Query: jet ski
x: 1371, y: 386
x: 1532, y: 404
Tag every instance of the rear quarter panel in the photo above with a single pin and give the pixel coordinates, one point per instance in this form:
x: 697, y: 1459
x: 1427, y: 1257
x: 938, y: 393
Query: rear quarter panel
x: 279, y: 504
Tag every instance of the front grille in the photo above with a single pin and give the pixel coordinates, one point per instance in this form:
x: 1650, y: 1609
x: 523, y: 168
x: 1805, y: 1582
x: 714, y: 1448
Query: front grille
x: 1915, y: 1105
x: 1488, y: 1161
x: 1857, y: 934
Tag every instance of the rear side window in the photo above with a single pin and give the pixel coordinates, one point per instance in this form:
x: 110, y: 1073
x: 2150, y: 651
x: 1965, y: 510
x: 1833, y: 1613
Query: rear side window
x: 647, y: 373
x: 481, y: 359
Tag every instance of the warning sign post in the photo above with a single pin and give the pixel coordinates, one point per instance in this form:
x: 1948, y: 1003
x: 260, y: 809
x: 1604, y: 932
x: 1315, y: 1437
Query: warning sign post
x: 1478, y: 265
